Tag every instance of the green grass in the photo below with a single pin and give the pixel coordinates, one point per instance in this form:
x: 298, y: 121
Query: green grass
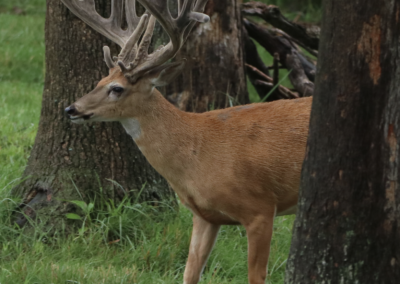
x: 129, y: 246
x: 21, y: 84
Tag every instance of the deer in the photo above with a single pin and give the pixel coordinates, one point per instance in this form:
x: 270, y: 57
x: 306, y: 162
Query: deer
x: 234, y: 166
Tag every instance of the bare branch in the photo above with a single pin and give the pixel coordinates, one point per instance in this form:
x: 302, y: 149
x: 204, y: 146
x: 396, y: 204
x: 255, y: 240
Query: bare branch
x: 297, y: 76
x: 267, y: 82
x: 309, y: 36
x: 276, y: 68
x: 278, y: 44
x: 289, y: 38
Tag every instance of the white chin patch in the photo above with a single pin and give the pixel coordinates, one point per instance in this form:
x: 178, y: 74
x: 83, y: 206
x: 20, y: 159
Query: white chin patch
x: 78, y: 120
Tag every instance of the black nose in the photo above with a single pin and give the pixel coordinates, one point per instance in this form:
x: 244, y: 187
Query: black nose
x: 71, y: 110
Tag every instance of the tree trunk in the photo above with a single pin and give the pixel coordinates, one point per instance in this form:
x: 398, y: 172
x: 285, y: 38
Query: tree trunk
x: 68, y: 160
x: 214, y: 76
x: 348, y: 226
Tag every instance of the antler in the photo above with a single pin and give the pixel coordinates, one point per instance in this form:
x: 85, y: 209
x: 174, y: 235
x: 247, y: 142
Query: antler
x: 178, y: 30
x: 111, y: 27
x: 134, y: 60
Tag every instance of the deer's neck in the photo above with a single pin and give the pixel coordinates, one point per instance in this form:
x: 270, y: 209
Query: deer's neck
x: 132, y: 127
x: 163, y: 134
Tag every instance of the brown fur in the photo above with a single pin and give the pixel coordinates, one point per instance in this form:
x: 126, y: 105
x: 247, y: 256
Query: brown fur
x: 239, y: 165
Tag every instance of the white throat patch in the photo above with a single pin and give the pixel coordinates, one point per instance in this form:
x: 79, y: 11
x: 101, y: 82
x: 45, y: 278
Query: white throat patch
x: 132, y: 127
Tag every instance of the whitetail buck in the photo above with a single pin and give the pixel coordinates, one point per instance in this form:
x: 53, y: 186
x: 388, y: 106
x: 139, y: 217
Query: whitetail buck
x: 239, y: 165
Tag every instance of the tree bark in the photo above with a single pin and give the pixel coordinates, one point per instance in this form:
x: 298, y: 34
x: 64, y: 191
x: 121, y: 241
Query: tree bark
x: 347, y: 229
x: 214, y: 76
x: 67, y: 160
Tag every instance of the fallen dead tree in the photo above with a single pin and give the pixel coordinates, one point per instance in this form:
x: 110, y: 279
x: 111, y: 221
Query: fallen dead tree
x: 284, y: 40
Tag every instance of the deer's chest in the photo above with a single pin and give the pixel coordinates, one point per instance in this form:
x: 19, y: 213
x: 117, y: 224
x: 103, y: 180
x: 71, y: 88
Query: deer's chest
x: 205, y: 207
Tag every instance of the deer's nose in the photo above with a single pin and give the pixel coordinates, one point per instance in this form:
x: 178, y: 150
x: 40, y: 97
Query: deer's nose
x: 71, y: 110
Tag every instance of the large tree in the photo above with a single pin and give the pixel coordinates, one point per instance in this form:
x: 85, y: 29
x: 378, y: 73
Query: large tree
x: 348, y: 225
x: 214, y: 76
x: 69, y: 161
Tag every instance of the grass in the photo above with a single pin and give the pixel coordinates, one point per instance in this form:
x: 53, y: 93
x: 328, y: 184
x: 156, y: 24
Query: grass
x: 130, y: 245
x: 21, y: 83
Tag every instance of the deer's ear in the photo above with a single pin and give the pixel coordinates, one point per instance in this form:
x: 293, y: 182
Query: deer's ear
x: 164, y: 74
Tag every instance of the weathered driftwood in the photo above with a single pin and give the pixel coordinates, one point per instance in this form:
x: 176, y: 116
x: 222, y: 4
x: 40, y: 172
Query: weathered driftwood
x: 308, y: 35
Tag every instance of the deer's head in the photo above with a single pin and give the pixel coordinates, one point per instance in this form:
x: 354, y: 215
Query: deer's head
x: 134, y: 72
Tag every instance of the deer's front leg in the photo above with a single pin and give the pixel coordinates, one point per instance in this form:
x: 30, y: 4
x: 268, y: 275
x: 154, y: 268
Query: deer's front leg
x: 203, y: 238
x: 259, y: 234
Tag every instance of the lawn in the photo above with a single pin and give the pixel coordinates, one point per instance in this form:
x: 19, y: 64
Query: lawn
x: 148, y: 246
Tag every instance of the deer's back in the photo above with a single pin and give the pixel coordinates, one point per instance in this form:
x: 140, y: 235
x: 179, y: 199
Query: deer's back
x: 249, y: 155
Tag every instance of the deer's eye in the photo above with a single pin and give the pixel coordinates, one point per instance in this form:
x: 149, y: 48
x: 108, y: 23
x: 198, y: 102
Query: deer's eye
x: 117, y: 90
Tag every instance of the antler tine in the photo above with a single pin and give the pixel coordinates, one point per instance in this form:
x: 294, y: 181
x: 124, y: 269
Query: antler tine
x: 131, y: 16
x: 196, y: 16
x: 110, y: 28
x: 107, y: 57
x: 128, y: 52
x: 131, y: 51
x: 186, y: 15
x: 160, y: 10
x: 178, y: 29
x: 116, y: 14
x: 146, y: 39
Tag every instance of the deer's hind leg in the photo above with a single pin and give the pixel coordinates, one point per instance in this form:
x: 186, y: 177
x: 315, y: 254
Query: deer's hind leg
x: 259, y: 234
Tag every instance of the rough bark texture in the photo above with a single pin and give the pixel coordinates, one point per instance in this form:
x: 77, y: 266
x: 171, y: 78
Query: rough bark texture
x: 348, y: 225
x: 214, y: 76
x: 69, y: 160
